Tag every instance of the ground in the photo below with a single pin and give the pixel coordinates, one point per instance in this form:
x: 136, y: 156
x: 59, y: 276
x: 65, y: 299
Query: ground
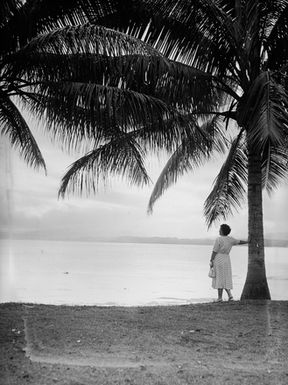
x: 212, y: 343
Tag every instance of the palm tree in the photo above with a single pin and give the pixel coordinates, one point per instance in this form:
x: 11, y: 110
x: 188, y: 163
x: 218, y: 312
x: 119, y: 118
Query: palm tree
x: 232, y: 57
x: 252, y: 62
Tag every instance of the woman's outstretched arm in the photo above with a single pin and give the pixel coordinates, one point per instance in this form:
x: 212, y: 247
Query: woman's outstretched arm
x: 243, y: 242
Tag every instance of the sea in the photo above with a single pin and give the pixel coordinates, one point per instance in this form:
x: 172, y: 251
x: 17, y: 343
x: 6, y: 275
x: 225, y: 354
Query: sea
x: 123, y: 274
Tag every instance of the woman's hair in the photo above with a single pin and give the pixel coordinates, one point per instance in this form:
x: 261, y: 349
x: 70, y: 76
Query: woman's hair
x: 225, y: 229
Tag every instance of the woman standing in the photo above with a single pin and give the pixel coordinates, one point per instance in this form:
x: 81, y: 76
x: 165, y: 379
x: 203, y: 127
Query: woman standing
x: 220, y: 261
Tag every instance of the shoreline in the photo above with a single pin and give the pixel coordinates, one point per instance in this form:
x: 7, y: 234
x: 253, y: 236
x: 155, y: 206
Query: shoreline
x: 119, y: 305
x: 203, y: 343
x: 110, y: 305
x: 268, y: 242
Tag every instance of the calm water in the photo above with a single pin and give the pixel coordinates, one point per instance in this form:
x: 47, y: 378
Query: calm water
x: 54, y: 272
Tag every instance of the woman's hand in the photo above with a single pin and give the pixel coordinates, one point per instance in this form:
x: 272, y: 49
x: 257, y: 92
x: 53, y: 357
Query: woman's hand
x: 211, y: 263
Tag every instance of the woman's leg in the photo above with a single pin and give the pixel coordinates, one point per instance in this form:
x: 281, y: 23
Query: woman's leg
x: 230, y: 296
x: 220, y: 293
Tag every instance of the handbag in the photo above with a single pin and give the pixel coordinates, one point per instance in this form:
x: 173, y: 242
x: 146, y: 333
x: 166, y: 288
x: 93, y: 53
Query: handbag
x: 211, y: 273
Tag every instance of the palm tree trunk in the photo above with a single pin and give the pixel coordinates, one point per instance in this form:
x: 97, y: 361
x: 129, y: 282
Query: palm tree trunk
x: 256, y: 286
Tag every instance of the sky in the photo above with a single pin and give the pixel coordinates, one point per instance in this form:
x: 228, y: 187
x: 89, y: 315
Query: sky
x: 29, y: 202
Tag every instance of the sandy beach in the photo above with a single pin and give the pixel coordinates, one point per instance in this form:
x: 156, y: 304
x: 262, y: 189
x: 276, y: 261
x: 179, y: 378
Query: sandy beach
x: 228, y: 343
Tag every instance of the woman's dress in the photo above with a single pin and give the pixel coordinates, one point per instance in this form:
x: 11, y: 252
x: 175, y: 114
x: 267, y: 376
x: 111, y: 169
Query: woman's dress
x: 222, y: 263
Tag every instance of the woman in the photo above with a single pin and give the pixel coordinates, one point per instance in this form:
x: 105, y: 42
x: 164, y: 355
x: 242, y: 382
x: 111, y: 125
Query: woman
x: 220, y: 260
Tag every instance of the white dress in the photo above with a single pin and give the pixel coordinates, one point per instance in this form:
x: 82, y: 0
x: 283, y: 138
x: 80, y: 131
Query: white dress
x: 222, y: 263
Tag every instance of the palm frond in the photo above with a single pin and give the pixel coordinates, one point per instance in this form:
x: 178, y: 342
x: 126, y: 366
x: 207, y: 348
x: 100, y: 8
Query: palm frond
x: 13, y: 125
x: 80, y: 128
x: 274, y: 166
x: 277, y: 32
x: 264, y: 112
x: 120, y: 156
x: 63, y: 101
x: 23, y: 20
x: 194, y: 33
x: 7, y: 9
x: 93, y: 54
x: 174, y: 83
x: 88, y: 38
x: 228, y: 191
x: 73, y: 126
x: 62, y: 105
x: 196, y: 148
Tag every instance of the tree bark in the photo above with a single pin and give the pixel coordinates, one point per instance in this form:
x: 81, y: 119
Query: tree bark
x: 256, y: 286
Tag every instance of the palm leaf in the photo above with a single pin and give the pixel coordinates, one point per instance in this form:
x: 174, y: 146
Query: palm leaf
x: 183, y: 30
x: 271, y: 118
x: 194, y: 150
x: 88, y: 38
x: 156, y: 76
x: 74, y: 126
x: 120, y: 156
x: 274, y: 166
x: 264, y: 112
x: 61, y: 102
x: 276, y: 35
x: 21, y: 21
x: 80, y: 128
x: 228, y: 191
x: 99, y: 55
x: 14, y: 126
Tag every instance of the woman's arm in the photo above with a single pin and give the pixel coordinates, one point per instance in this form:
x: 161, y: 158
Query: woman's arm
x: 213, y: 255
x: 242, y: 242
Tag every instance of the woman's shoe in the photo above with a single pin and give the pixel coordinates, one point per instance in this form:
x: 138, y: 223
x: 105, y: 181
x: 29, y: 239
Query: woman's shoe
x: 218, y: 300
x: 231, y: 298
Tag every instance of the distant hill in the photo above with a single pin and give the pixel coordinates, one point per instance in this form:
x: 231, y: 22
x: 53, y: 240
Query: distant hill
x: 276, y: 243
x: 279, y: 239
x: 163, y: 240
x: 62, y: 236
x: 269, y: 241
x: 186, y: 241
